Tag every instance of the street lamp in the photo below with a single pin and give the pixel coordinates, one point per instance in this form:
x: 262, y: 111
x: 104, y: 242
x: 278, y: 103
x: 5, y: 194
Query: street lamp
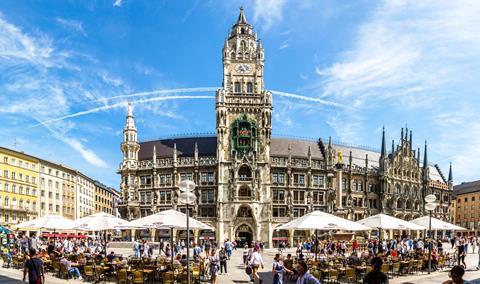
x: 430, y: 206
x: 187, y: 197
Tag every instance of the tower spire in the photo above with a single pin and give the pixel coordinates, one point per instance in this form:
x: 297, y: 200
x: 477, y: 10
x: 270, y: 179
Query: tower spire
x: 410, y: 142
x: 450, y: 174
x: 425, y: 158
x: 384, y: 146
x: 241, y: 17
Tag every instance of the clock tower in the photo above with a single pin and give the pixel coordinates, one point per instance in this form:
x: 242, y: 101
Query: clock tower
x: 244, y: 127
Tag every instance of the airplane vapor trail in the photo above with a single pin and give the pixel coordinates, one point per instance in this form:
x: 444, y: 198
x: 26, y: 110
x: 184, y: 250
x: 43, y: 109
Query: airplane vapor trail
x: 305, y: 98
x: 212, y: 89
x: 158, y: 92
x: 124, y: 104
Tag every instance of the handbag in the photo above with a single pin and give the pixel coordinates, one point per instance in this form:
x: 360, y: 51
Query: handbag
x: 248, y: 270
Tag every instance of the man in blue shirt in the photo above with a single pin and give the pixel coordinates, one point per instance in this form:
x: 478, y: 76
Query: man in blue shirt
x: 228, y: 248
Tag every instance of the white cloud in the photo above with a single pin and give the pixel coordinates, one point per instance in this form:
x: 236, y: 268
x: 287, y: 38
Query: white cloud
x: 86, y: 153
x: 71, y: 25
x: 267, y: 12
x: 118, y: 3
x: 39, y: 81
x: 410, y: 60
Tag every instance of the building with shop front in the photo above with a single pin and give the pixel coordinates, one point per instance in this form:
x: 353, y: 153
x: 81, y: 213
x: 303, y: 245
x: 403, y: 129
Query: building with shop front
x: 466, y: 206
x: 249, y: 182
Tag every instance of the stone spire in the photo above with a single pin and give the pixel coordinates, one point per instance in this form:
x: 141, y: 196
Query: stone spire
x: 393, y: 146
x: 450, y: 174
x: 241, y: 17
x: 384, y: 146
x: 425, y: 163
x: 410, y: 141
x: 154, y: 155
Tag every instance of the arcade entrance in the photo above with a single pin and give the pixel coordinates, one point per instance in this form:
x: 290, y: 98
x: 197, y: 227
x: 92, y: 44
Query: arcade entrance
x: 244, y: 235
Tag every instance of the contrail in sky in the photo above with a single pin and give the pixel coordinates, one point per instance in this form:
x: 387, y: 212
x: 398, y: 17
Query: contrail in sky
x: 158, y: 92
x: 170, y: 91
x: 212, y: 89
x: 124, y: 104
x: 305, y: 98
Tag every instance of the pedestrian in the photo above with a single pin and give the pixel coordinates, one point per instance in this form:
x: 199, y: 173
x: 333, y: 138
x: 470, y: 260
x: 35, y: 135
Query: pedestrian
x: 135, y: 248
x: 141, y: 248
x: 478, y: 264
x: 228, y: 248
x: 34, y: 268
x: 303, y: 276
x: 213, y: 262
x: 222, y: 255
x: 246, y: 254
x: 461, y: 253
x: 456, y: 273
x: 376, y: 276
x: 255, y: 262
x: 278, y: 269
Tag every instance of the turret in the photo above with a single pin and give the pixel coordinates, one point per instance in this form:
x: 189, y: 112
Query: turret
x: 130, y: 146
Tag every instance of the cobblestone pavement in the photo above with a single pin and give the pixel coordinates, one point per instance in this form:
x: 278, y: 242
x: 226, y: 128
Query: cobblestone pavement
x: 236, y: 273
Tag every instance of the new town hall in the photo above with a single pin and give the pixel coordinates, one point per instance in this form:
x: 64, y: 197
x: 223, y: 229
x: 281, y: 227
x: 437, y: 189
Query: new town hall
x: 250, y: 182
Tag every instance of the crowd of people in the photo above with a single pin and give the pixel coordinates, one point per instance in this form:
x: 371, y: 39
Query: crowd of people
x: 213, y: 257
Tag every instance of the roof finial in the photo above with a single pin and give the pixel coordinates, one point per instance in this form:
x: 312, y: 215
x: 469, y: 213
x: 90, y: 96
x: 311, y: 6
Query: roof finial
x: 241, y: 18
x: 129, y: 109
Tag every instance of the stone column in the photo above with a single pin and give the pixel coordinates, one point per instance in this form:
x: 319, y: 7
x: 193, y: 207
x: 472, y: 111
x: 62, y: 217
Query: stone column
x: 290, y: 237
x: 340, y: 190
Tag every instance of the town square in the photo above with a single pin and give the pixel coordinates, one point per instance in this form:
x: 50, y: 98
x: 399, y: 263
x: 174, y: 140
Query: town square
x: 253, y: 141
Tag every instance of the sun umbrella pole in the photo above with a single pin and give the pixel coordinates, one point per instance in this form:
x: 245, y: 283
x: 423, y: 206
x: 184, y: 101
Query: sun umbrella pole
x: 316, y: 244
x: 171, y: 247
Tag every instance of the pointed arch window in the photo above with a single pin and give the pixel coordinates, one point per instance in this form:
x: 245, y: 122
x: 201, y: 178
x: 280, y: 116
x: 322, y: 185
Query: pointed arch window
x: 249, y: 87
x: 237, y: 87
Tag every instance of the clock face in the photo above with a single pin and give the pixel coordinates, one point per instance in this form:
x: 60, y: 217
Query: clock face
x: 243, y: 68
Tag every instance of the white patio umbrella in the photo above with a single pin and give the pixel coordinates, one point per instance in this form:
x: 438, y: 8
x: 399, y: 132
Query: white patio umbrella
x: 169, y: 219
x: 318, y: 220
x: 100, y: 222
x: 49, y: 222
x: 437, y: 224
x: 382, y: 221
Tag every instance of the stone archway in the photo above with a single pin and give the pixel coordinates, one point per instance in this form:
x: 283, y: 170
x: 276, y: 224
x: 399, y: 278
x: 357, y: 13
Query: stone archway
x: 244, y: 234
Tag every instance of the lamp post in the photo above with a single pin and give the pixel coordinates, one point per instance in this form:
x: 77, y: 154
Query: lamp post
x: 187, y: 197
x: 430, y: 206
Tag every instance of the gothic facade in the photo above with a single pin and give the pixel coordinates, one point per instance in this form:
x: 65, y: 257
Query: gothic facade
x: 248, y: 183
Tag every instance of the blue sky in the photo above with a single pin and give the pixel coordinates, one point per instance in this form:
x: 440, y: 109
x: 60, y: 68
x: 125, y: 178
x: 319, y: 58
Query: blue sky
x: 389, y: 63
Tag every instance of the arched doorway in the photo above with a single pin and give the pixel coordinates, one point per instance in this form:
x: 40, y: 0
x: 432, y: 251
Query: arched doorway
x: 244, y: 234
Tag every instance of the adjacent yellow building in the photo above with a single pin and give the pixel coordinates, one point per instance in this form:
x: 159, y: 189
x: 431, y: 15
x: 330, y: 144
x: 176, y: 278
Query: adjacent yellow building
x: 18, y: 186
x: 32, y: 187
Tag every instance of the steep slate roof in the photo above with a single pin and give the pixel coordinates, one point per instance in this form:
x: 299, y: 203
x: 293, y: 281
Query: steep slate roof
x: 434, y: 174
x: 185, y: 147
x: 358, y: 155
x: 278, y: 147
x: 299, y: 148
x: 466, y: 187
